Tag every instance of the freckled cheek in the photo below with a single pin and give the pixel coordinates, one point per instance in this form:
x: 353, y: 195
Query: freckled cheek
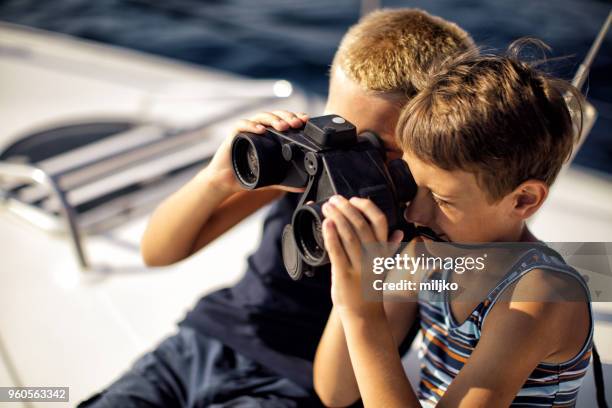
x: 451, y: 223
x: 474, y: 228
x: 443, y: 221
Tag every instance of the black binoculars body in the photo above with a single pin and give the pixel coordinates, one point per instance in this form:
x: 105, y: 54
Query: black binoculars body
x: 326, y: 157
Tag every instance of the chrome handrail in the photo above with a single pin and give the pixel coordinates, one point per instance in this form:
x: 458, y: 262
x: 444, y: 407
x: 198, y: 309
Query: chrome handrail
x: 53, y: 180
x: 36, y: 175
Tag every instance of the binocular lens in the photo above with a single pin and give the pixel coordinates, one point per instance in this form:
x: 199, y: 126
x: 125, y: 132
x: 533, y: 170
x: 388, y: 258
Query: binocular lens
x: 252, y: 161
x: 308, y: 232
x: 257, y: 160
x: 317, y: 232
x: 246, y: 162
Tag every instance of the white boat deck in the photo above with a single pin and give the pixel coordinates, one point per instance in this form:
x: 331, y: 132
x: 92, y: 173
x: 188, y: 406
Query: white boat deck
x: 63, y: 327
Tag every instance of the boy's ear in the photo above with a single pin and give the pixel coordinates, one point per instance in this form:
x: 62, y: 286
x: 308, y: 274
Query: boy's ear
x: 528, y: 197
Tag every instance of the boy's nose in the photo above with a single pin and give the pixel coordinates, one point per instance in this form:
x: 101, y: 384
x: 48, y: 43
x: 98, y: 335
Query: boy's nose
x: 419, y: 210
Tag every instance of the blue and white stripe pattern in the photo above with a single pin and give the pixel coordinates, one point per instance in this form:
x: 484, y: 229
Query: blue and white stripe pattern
x: 447, y: 345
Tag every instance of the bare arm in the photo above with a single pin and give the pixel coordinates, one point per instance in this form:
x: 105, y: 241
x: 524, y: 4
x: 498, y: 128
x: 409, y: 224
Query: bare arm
x: 212, y: 202
x: 334, y: 378
x: 515, y: 337
x: 194, y: 216
x: 378, y: 367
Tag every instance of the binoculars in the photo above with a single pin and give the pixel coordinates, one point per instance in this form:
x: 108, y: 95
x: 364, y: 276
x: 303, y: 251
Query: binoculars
x: 326, y: 157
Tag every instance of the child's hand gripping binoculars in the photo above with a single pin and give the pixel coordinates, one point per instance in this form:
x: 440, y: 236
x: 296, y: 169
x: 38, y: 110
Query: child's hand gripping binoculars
x: 326, y: 157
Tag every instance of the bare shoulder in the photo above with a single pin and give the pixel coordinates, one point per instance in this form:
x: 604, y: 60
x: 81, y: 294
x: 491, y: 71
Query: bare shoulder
x: 548, y: 285
x: 552, y: 305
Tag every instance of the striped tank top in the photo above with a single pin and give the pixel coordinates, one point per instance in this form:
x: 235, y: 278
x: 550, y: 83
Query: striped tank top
x: 447, y: 345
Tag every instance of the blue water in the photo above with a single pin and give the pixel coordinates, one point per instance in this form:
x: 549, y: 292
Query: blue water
x: 296, y: 39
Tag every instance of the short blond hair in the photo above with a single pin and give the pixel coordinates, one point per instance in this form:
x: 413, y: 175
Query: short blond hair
x: 390, y: 50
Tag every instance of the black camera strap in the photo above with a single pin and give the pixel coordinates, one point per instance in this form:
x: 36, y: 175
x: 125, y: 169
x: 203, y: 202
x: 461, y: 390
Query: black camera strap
x: 600, y: 389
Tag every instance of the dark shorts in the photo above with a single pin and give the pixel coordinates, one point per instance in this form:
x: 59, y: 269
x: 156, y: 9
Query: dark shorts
x: 192, y: 370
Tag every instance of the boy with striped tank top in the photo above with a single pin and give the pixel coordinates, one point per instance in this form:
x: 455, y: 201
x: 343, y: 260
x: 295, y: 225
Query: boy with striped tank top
x: 484, y: 141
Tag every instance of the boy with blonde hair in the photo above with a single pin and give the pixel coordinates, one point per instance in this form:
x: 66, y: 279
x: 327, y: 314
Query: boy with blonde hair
x: 253, y: 344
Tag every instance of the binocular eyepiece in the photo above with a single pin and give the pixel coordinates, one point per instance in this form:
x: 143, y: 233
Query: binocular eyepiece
x: 326, y: 157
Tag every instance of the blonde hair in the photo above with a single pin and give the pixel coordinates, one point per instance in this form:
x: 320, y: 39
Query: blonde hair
x: 389, y: 51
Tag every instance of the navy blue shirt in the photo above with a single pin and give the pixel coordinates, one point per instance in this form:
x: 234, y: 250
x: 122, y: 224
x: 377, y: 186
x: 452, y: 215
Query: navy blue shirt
x: 267, y: 316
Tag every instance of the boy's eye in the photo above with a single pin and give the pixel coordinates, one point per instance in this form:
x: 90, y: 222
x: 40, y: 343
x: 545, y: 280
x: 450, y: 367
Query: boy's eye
x: 440, y: 202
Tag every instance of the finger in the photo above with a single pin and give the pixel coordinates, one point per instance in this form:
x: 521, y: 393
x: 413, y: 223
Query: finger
x: 270, y: 119
x: 303, y: 116
x: 359, y: 223
x: 374, y: 215
x: 246, y: 125
x: 333, y: 246
x: 291, y: 118
x: 395, y: 241
x: 348, y: 237
x: 415, y: 242
x: 396, y: 237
